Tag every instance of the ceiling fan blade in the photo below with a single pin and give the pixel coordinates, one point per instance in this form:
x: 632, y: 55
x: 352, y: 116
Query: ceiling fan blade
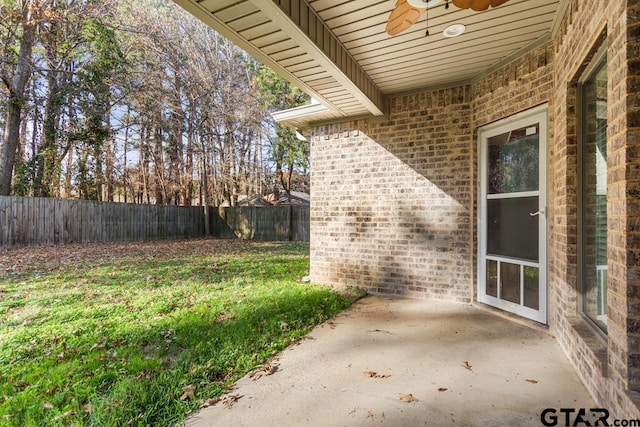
x: 462, y: 4
x: 477, y: 5
x: 402, y: 17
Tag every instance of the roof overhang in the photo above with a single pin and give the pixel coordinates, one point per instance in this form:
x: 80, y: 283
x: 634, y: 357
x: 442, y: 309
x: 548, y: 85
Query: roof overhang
x: 292, y: 39
x: 299, y: 117
x: 339, y: 53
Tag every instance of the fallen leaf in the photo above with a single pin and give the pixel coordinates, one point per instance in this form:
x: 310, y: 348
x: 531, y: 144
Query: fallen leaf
x: 47, y: 405
x: 372, y: 374
x: 229, y: 399
x: 268, y: 368
x: 222, y: 317
x: 380, y: 330
x: 466, y: 365
x: 407, y: 398
x: 87, y: 408
x: 532, y: 381
x: 284, y: 326
x: 188, y: 392
x: 143, y: 374
x: 209, y: 402
x: 442, y: 389
x: 299, y: 340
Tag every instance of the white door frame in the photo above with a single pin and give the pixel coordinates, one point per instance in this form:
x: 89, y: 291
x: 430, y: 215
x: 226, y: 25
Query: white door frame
x: 537, y: 115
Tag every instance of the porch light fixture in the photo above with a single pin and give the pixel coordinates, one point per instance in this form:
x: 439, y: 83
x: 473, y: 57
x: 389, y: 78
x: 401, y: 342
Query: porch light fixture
x: 453, y: 30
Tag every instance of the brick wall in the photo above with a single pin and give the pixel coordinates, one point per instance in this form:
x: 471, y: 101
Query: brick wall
x: 630, y: 149
x: 518, y: 86
x: 605, y: 365
x: 391, y: 207
x: 394, y: 202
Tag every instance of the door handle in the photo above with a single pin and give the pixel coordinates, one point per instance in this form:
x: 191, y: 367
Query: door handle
x: 540, y: 212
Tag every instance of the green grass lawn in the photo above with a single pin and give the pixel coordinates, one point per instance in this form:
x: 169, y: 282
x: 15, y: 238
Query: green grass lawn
x: 118, y: 341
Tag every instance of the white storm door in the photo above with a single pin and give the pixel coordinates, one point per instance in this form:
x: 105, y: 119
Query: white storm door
x: 512, y: 238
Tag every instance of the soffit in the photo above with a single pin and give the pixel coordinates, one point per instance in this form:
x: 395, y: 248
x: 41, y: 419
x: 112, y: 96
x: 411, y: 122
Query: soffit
x: 338, y: 50
x: 411, y: 60
x: 291, y: 38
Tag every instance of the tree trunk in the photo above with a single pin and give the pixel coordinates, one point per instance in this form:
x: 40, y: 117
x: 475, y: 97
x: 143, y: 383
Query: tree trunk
x: 47, y: 154
x: 11, y: 136
x: 68, y: 173
x: 144, y: 165
x: 9, y: 148
x: 205, y: 193
x: 109, y: 162
x: 188, y: 173
x: 158, y: 166
x: 125, y: 174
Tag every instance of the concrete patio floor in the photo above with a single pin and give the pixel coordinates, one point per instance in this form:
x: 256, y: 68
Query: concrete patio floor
x: 464, y: 365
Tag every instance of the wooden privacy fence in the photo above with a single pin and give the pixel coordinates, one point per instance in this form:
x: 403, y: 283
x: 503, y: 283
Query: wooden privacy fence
x: 30, y: 221
x: 288, y: 222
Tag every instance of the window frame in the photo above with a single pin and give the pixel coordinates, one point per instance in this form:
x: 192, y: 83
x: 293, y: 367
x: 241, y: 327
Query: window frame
x: 596, y: 63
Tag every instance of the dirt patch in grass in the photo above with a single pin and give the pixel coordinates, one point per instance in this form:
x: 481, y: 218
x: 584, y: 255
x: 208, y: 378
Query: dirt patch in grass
x: 50, y: 258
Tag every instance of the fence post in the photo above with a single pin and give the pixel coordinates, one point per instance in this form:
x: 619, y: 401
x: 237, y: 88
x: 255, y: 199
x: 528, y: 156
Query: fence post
x: 289, y: 221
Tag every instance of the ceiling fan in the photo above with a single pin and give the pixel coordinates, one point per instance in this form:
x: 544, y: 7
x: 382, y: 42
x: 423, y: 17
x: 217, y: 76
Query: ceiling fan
x: 407, y: 12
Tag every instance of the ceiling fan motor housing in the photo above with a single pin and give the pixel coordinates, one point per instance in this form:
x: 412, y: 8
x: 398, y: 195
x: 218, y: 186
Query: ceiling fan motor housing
x: 424, y: 4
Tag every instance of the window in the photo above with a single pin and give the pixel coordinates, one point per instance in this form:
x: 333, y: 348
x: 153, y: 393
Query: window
x: 593, y: 194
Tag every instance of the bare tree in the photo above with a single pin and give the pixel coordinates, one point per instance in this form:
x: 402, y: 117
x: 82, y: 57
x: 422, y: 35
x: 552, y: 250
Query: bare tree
x: 129, y: 100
